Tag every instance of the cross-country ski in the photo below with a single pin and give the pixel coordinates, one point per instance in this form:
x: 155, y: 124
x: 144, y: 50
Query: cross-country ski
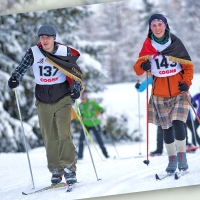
x: 158, y: 177
x: 47, y: 188
x: 179, y: 174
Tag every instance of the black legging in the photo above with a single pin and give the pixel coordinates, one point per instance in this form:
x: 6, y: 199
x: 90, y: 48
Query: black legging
x: 177, y: 132
x: 196, y: 124
x: 97, y: 132
x: 159, y: 138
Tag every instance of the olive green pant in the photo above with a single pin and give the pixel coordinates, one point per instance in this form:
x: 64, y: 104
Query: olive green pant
x: 54, y: 120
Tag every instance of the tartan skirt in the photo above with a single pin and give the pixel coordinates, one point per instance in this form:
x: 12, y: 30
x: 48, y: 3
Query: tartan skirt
x: 162, y: 111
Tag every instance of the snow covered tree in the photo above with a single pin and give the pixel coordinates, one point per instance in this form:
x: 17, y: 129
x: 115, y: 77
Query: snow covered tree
x: 183, y: 17
x: 10, y: 131
x: 10, y: 4
x: 147, y: 9
x: 118, y: 26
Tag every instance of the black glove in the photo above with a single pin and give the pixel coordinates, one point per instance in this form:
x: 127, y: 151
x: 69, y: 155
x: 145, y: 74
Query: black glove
x: 13, y: 82
x: 137, y: 85
x: 183, y: 87
x: 194, y: 104
x: 146, y: 66
x: 75, y: 90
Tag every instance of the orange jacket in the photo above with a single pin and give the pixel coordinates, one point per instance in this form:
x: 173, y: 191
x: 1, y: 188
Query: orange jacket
x: 167, y: 86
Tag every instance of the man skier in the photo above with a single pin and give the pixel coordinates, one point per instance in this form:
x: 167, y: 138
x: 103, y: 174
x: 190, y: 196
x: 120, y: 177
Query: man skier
x: 55, y: 70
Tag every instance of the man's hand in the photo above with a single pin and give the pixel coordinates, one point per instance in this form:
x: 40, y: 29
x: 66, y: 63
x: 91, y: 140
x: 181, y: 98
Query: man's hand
x: 137, y: 85
x: 75, y: 90
x: 13, y: 82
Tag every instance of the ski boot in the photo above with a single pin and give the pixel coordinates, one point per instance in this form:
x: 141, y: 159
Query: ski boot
x: 157, y: 152
x: 171, y: 168
x: 182, y: 161
x: 191, y: 149
x: 70, y: 178
x: 56, y: 178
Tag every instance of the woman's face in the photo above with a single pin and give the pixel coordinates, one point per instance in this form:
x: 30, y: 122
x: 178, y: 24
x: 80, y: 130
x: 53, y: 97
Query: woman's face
x: 158, y: 28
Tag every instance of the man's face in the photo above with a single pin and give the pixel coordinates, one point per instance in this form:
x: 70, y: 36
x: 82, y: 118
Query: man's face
x: 47, y: 43
x: 84, y: 97
x: 83, y: 100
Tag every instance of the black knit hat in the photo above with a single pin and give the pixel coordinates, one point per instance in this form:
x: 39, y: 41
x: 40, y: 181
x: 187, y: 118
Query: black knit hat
x: 48, y: 30
x: 159, y: 17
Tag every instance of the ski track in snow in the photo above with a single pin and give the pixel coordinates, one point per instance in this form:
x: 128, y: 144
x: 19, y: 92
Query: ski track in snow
x: 118, y: 176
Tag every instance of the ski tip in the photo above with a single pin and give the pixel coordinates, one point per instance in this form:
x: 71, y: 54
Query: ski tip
x: 69, y: 189
x: 176, y: 176
x: 157, y: 177
x: 24, y: 193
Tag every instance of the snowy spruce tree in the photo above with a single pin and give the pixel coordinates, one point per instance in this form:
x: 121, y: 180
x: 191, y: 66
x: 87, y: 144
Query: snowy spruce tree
x: 183, y: 17
x: 18, y: 33
x: 118, y: 26
x: 12, y: 4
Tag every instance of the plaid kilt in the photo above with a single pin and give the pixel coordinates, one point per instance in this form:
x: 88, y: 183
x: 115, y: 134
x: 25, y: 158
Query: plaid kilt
x: 162, y: 111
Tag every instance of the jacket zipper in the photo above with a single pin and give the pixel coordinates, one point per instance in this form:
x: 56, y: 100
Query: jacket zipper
x: 50, y: 94
x: 169, y: 87
x: 154, y: 82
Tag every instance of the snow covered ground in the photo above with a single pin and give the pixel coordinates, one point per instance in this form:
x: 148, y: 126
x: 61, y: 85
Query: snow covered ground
x: 123, y: 173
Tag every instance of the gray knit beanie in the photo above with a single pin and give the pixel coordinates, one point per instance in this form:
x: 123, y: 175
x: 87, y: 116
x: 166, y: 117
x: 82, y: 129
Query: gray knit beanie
x: 48, y: 30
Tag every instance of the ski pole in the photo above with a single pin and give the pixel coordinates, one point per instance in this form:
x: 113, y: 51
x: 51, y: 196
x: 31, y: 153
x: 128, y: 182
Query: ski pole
x: 139, y: 122
x: 187, y: 97
x: 77, y: 107
x: 193, y: 129
x: 88, y: 134
x: 147, y: 123
x: 25, y: 142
